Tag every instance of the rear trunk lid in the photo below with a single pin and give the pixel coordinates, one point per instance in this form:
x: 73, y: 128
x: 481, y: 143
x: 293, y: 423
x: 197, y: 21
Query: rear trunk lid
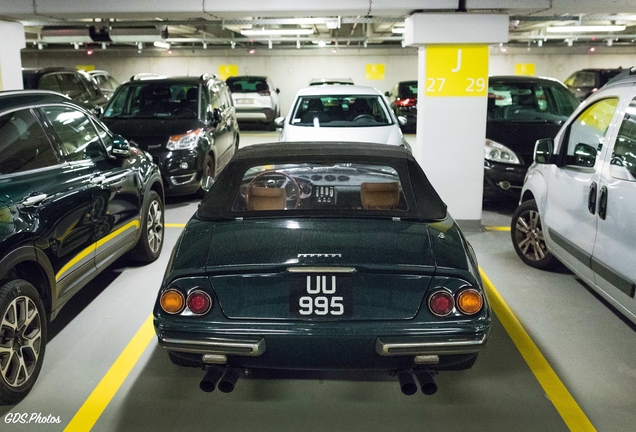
x: 314, y: 269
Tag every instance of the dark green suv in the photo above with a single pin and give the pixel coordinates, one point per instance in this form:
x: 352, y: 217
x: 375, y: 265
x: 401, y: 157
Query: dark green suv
x: 74, y: 197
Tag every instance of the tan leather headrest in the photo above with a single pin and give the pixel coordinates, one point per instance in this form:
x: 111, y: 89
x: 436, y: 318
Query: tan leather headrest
x: 379, y: 196
x: 260, y: 198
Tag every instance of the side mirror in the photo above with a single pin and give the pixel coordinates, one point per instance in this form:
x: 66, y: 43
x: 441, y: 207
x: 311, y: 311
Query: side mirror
x: 121, y: 148
x: 98, y: 111
x: 279, y: 122
x: 402, y: 120
x: 584, y: 155
x: 544, y: 151
x: 215, y: 116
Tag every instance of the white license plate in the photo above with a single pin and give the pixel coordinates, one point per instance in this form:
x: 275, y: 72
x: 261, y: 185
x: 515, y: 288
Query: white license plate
x: 244, y: 101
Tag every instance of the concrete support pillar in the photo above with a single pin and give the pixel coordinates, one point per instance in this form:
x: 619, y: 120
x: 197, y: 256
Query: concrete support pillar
x: 452, y: 102
x: 10, y: 61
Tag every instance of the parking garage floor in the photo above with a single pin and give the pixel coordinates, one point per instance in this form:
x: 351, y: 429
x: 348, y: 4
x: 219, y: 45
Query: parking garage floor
x: 559, y: 358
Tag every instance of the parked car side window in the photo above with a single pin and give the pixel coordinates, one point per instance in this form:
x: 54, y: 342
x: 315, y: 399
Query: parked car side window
x: 50, y: 82
x: 591, y: 126
x: 225, y: 97
x: 205, y: 103
x: 76, y: 134
x: 23, y: 144
x: 73, y: 86
x: 623, y: 162
x: 215, y: 101
x: 565, y: 102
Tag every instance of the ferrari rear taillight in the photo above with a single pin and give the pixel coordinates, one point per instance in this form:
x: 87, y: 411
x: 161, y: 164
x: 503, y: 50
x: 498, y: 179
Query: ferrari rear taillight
x: 441, y: 303
x: 172, y: 301
x: 408, y: 102
x: 199, y: 302
x: 469, y: 301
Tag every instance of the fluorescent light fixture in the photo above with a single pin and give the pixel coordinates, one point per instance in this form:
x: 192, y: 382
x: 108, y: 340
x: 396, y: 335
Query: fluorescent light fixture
x: 585, y: 28
x: 280, y: 32
x: 322, y: 43
x: 399, y: 30
x: 164, y: 45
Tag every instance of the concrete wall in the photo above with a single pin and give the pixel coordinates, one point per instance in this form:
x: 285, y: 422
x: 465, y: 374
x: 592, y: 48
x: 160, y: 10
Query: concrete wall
x: 292, y: 69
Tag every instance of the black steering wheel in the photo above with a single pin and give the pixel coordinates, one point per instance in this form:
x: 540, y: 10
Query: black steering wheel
x: 363, y: 116
x: 267, y: 179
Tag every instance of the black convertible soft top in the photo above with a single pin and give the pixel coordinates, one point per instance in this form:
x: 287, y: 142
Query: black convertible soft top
x: 425, y: 203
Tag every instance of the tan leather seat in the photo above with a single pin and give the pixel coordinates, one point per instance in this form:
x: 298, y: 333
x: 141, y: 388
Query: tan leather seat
x: 260, y: 198
x: 379, y: 196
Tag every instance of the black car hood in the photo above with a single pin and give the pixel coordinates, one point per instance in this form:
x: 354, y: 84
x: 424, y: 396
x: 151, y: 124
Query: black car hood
x: 520, y: 137
x: 148, y: 133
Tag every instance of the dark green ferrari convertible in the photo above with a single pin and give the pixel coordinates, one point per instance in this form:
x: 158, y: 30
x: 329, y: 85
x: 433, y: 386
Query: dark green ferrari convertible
x: 322, y: 256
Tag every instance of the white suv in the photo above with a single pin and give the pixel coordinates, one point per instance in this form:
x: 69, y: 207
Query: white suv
x: 578, y: 202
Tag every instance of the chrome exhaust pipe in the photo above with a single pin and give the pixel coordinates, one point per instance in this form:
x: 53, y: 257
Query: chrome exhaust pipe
x: 407, y: 383
x: 427, y: 383
x: 211, y: 377
x: 228, y: 380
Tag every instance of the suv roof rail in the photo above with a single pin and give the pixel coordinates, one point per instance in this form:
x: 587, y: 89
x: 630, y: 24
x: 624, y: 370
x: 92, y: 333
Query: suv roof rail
x: 207, y: 76
x: 144, y: 75
x: 33, y: 92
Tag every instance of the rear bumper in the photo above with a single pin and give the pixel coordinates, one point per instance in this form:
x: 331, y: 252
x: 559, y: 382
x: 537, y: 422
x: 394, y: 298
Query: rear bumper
x: 321, y: 352
x: 264, y: 115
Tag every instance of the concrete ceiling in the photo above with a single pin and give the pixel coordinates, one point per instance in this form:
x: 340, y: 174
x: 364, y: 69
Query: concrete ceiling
x: 125, y: 24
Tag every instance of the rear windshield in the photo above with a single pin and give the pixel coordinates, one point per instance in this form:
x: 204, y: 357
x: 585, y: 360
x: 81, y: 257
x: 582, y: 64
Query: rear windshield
x: 529, y: 102
x: 247, y: 85
x: 340, y: 110
x: 327, y: 187
x: 408, y: 89
x: 155, y: 100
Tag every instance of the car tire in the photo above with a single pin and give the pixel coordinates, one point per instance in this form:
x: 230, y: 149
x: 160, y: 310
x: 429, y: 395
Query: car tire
x: 150, y: 243
x: 208, y: 170
x: 23, y: 327
x: 183, y: 362
x: 528, y: 238
x: 466, y: 364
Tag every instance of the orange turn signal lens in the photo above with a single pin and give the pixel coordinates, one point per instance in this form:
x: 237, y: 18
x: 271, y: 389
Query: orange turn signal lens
x: 469, y: 301
x: 172, y: 301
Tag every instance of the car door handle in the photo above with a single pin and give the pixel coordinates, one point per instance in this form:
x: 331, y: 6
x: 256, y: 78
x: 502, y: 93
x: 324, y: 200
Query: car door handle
x: 591, y: 199
x: 602, y: 203
x: 33, y: 200
x: 97, y: 180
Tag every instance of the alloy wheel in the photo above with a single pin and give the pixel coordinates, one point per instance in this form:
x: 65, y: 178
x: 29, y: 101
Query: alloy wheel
x: 529, y: 236
x: 20, y: 341
x: 154, y: 226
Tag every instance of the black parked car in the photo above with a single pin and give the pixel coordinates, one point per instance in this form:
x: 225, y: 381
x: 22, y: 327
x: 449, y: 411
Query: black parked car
x: 403, y: 99
x: 586, y: 81
x: 521, y: 110
x: 74, y: 197
x: 76, y: 84
x: 188, y: 125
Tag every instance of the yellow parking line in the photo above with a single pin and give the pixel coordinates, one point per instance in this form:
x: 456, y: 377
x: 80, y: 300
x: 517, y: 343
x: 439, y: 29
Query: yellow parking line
x: 99, y: 399
x: 496, y: 228
x: 568, y: 409
x: 175, y: 225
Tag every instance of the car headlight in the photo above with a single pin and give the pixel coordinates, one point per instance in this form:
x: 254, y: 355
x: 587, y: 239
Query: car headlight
x: 187, y: 141
x: 495, y: 152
